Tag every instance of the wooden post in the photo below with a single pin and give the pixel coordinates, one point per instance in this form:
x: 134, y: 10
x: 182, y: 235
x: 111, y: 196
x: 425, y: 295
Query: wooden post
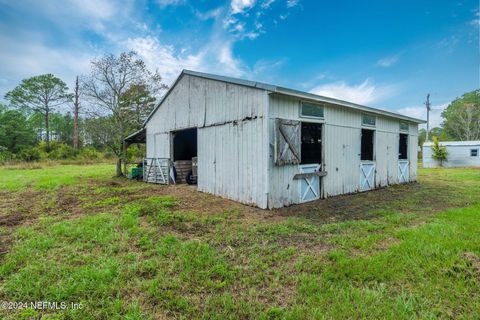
x: 427, y: 104
x: 76, y: 109
x: 124, y: 156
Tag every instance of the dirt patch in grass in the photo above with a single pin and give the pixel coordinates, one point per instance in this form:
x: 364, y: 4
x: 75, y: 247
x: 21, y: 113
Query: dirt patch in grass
x: 473, y: 261
x: 68, y: 201
x: 17, y: 209
x: 386, y: 243
x: 425, y: 198
x: 412, y: 197
x: 11, y: 220
x: 305, y: 243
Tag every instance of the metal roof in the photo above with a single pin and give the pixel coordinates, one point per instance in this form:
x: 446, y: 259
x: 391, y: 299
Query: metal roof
x: 273, y: 89
x: 138, y: 136
x: 473, y: 143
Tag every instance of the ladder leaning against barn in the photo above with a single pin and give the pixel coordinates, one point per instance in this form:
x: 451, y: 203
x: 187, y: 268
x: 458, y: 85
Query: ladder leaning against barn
x: 156, y: 170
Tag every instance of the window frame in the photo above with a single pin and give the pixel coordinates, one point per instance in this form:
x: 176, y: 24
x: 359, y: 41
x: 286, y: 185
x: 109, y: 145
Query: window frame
x: 322, y: 106
x: 368, y: 124
x: 403, y: 129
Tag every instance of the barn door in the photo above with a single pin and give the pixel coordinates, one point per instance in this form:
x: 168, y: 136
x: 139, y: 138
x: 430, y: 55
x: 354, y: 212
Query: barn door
x: 403, y: 172
x: 287, y: 142
x: 309, y: 186
x: 367, y: 176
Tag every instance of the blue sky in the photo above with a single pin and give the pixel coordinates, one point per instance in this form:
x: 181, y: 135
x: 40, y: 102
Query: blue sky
x: 386, y: 54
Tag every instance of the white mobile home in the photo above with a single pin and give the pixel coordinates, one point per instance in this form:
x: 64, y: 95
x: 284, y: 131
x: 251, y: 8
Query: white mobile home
x: 460, y: 154
x: 270, y: 146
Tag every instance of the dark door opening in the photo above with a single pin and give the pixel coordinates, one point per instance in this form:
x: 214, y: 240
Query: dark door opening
x: 184, y: 156
x: 185, y: 144
x: 367, y: 145
x: 403, y: 147
x: 311, y: 149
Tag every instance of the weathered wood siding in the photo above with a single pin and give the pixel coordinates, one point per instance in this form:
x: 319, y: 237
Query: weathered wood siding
x: 231, y: 161
x: 232, y: 144
x: 342, y: 140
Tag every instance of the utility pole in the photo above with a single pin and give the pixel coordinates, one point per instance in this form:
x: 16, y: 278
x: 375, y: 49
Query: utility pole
x: 76, y: 109
x: 427, y: 104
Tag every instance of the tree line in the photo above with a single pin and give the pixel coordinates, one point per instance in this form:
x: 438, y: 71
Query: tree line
x: 461, y: 120
x: 104, y: 106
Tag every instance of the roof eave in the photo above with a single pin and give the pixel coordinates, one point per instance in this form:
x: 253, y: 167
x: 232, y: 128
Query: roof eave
x: 283, y: 91
x: 314, y: 97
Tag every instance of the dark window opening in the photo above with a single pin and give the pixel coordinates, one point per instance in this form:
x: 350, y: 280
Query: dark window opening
x: 185, y: 144
x: 473, y: 152
x: 367, y: 145
x: 403, y: 147
x: 311, y: 151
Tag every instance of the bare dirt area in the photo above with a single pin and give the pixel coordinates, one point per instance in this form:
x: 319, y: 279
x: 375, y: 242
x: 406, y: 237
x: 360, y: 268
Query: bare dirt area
x: 339, y: 208
x: 16, y: 210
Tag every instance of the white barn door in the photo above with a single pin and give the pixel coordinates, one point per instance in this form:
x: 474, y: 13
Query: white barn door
x: 367, y: 175
x: 309, y: 186
x: 403, y: 171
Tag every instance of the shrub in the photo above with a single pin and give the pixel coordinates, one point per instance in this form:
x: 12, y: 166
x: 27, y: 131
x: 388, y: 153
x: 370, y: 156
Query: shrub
x: 6, y: 155
x: 89, y: 153
x: 61, y: 151
x: 439, y: 153
x: 30, y: 154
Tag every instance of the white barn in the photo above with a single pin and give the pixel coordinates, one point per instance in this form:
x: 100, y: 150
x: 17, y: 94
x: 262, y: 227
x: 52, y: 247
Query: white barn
x: 271, y: 147
x: 460, y: 154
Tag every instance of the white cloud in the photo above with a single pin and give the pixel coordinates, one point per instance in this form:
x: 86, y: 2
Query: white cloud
x: 98, y: 9
x: 262, y: 67
x: 25, y: 59
x: 211, y: 14
x: 420, y: 112
x: 166, y: 3
x: 292, y: 3
x: 119, y: 26
x: 239, y: 6
x: 364, y: 93
x: 387, y: 61
x: 216, y: 56
x: 476, y: 22
x: 162, y: 57
x: 267, y: 3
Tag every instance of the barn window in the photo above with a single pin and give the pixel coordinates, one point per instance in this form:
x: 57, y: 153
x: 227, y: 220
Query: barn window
x: 310, y: 110
x: 404, y: 126
x: 473, y: 152
x: 368, y: 120
x: 367, y: 144
x: 311, y: 149
x: 403, y: 147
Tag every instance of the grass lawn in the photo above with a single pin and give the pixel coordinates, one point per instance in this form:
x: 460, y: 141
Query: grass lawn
x: 129, y: 250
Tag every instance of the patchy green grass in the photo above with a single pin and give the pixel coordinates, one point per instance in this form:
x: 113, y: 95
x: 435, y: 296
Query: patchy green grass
x: 42, y: 178
x: 128, y: 250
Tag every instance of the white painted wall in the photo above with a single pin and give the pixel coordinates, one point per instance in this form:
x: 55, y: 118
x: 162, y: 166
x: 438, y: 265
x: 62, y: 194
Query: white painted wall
x: 458, y: 155
x: 342, y: 129
x: 232, y: 149
x: 231, y: 161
